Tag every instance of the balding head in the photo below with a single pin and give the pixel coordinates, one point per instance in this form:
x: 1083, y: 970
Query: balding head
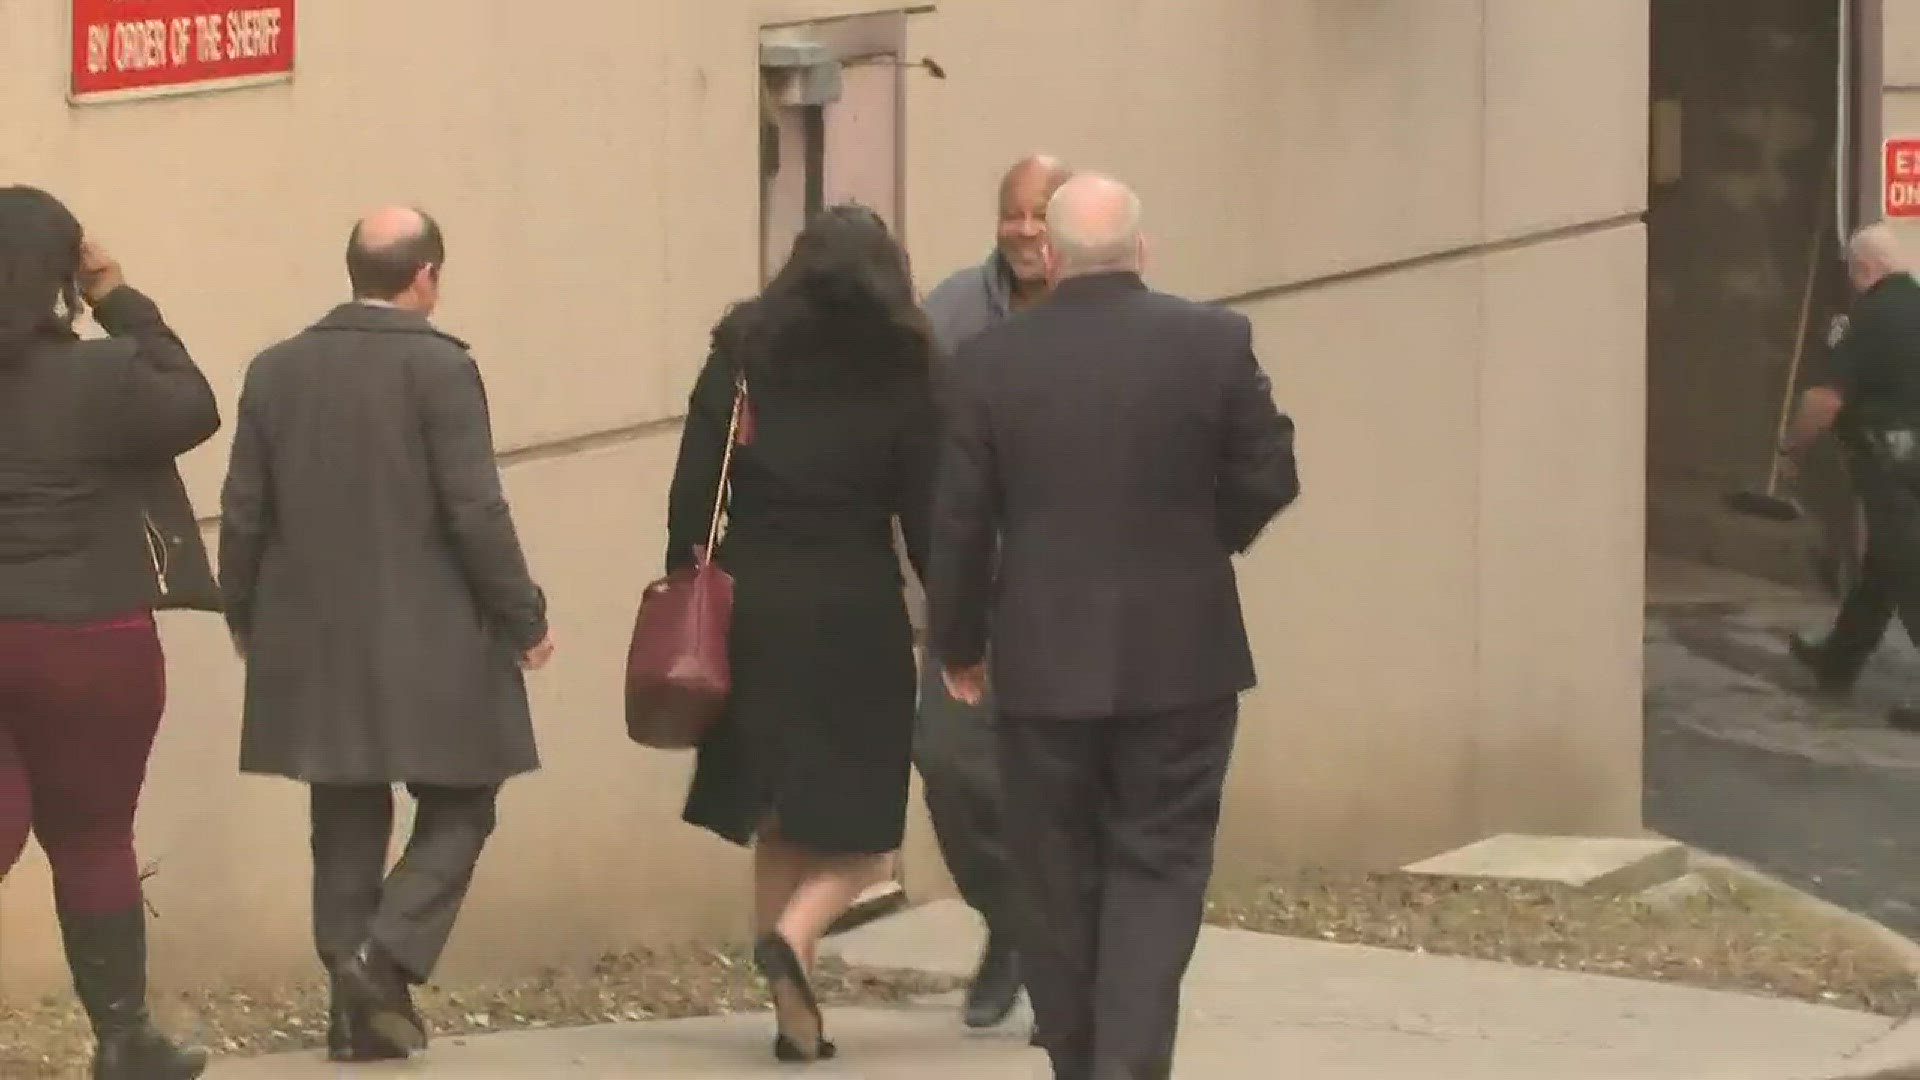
x: 395, y: 255
x: 1042, y: 172
x: 1024, y: 192
x: 1873, y: 254
x: 1093, y: 226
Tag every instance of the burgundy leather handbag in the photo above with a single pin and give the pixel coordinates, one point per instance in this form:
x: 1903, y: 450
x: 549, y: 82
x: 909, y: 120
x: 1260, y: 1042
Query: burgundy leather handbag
x: 678, y: 677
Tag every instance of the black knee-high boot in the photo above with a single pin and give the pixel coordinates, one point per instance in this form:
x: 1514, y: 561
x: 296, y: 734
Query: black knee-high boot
x: 108, y: 957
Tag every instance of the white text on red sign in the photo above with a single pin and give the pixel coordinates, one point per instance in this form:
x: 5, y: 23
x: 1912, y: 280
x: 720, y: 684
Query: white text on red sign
x: 152, y: 44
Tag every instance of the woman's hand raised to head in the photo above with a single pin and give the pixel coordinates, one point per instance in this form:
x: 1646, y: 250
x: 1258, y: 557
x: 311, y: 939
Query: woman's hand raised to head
x: 100, y: 272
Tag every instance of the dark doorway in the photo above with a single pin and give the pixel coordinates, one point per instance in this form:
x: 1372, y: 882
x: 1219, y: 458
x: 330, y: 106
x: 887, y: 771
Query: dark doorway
x: 1744, y: 266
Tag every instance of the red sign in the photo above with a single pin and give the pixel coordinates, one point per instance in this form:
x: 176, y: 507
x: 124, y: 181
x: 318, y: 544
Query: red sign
x: 144, y: 48
x: 1902, y: 173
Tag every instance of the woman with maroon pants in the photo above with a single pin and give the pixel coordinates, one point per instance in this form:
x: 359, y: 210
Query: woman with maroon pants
x: 95, y: 534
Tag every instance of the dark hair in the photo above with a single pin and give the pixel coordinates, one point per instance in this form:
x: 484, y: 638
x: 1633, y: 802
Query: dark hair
x: 843, y: 305
x: 39, y: 269
x: 382, y: 273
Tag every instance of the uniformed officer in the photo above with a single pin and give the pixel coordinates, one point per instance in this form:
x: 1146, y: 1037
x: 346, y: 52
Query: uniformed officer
x: 1870, y: 399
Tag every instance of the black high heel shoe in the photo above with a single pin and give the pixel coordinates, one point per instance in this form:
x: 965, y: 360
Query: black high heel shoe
x: 792, y: 995
x: 786, y: 1050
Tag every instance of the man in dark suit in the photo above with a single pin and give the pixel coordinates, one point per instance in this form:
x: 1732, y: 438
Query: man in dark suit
x: 1123, y: 445
x: 375, y: 584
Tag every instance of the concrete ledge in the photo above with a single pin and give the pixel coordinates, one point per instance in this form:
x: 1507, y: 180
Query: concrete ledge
x: 1894, y: 941
x: 1591, y: 865
x: 1895, y: 1056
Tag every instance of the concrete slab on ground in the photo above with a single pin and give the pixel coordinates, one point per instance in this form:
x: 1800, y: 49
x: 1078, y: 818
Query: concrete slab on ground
x: 1895, y: 1057
x: 1593, y: 865
x: 1256, y: 1007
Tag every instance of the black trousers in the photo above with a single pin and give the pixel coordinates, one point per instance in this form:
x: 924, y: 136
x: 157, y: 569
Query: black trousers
x: 957, y: 752
x: 1112, y: 859
x: 1889, y: 581
x: 408, y: 912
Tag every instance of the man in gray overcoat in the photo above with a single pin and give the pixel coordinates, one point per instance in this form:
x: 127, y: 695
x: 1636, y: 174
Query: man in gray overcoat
x: 375, y: 585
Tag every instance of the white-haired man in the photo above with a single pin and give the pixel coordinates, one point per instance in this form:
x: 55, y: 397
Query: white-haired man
x: 1121, y: 445
x: 1870, y: 399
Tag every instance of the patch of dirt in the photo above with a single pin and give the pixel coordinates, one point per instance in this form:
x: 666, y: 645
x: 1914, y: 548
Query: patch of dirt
x: 1732, y: 932
x: 50, y: 1040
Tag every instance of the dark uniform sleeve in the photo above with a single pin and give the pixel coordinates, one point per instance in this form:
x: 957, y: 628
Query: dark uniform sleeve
x: 965, y: 523
x: 246, y: 511
x: 164, y: 406
x: 1258, y: 474
x: 1847, y: 357
x: 703, y: 446
x: 453, y: 403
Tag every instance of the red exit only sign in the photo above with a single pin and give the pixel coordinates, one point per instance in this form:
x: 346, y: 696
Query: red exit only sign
x: 1902, y: 172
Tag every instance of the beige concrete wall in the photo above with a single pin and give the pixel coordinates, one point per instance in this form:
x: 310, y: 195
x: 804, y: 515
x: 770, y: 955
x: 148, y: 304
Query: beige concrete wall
x: 1427, y: 207
x: 1901, y: 115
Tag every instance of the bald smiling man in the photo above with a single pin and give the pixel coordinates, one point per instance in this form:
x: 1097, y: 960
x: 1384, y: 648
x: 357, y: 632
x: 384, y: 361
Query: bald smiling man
x: 953, y: 741
x: 374, y: 583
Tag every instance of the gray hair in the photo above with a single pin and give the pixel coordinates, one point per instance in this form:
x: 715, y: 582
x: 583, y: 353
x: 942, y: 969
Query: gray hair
x: 1093, y: 226
x: 1878, y: 246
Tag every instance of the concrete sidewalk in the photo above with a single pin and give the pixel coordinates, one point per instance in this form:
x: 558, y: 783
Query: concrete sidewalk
x: 1257, y: 1007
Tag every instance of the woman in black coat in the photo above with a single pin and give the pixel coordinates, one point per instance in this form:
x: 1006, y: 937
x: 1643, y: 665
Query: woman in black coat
x: 95, y: 534
x: 810, y: 764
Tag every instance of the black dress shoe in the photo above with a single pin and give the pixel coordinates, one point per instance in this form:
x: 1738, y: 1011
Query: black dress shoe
x: 373, y: 986
x: 351, y: 1042
x: 1904, y: 718
x: 788, y: 1051
x: 996, y: 985
x: 1812, y: 655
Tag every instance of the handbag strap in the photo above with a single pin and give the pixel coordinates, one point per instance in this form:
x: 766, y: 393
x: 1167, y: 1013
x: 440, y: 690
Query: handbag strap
x: 720, y: 492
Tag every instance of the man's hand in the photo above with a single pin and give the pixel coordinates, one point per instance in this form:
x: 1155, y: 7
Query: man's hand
x: 967, y: 685
x: 537, y: 657
x: 100, y: 272
x: 1813, y: 417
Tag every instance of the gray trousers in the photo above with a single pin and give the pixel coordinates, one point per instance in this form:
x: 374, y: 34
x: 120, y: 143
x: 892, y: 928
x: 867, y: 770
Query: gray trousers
x: 408, y: 912
x: 1113, y: 855
x: 955, y: 749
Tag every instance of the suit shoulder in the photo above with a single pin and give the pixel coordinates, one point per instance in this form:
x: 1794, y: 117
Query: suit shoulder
x: 439, y: 354
x: 1209, y: 314
x: 1220, y: 330
x: 277, y: 355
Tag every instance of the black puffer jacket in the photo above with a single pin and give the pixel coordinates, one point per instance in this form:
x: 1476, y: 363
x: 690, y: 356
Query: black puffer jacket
x: 93, y: 519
